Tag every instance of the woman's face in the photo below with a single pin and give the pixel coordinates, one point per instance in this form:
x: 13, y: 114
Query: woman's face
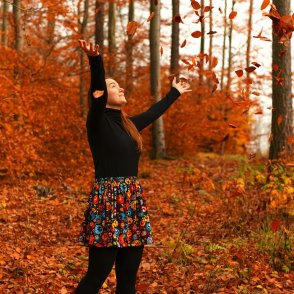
x: 116, y: 97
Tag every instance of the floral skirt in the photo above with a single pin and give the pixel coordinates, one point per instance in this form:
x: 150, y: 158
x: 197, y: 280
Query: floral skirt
x: 116, y: 215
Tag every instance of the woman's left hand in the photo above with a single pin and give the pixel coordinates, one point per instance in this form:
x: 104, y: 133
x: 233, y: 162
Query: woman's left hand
x: 182, y: 86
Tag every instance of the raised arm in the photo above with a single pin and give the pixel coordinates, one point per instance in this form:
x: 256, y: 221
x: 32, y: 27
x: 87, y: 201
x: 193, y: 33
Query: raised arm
x: 142, y: 120
x: 145, y: 118
x: 97, y: 93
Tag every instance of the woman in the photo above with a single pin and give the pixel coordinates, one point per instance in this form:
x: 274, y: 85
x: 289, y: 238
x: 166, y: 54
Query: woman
x: 116, y: 225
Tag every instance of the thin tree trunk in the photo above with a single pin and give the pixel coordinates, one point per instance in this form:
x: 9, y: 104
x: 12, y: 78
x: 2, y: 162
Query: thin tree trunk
x: 4, y: 23
x: 249, y: 42
x: 111, y: 38
x: 99, y: 28
x: 129, y: 50
x: 224, y: 46
x: 82, y: 58
x: 158, y: 141
x: 202, y: 43
x: 282, y: 113
x: 18, y: 46
x: 210, y: 41
x: 174, y: 59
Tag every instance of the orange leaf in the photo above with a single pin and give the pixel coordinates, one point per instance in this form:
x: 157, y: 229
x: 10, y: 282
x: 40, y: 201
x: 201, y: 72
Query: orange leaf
x: 259, y: 35
x: 132, y: 27
x: 195, y: 5
x: 150, y: 16
x: 196, y: 34
x: 248, y: 81
x: 184, y: 43
x: 239, y: 73
x: 250, y: 69
x: 256, y: 64
x: 280, y: 119
x: 233, y: 14
x: 264, y: 4
x: 207, y: 8
x: 98, y: 93
x: 255, y: 93
x: 214, y: 62
x: 178, y: 19
x: 211, y: 32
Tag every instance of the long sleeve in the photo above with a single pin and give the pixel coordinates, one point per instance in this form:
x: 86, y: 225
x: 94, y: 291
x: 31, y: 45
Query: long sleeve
x: 143, y: 119
x: 97, y: 105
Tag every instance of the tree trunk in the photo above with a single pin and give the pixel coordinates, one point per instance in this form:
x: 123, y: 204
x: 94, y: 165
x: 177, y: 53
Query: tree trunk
x: 202, y: 43
x: 210, y: 41
x: 111, y: 38
x: 158, y: 141
x: 4, y: 23
x: 282, y: 113
x: 174, y: 59
x: 249, y: 42
x: 224, y: 46
x: 82, y: 59
x: 18, y: 45
x: 129, y: 50
x: 99, y: 21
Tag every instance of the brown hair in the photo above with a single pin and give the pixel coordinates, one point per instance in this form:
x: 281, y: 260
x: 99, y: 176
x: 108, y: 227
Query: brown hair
x: 130, y: 127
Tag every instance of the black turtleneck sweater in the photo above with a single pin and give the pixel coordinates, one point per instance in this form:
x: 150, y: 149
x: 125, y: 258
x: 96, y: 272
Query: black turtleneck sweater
x: 113, y: 149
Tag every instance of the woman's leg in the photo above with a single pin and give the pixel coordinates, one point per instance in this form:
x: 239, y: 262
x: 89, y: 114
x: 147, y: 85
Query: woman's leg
x: 101, y: 260
x: 126, y: 266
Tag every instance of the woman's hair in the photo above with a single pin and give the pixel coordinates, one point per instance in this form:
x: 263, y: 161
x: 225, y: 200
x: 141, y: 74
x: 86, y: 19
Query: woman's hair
x: 130, y: 127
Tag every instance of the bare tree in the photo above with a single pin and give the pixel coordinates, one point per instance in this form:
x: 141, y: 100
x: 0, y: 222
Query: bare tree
x: 174, y: 59
x: 111, y: 38
x: 4, y: 23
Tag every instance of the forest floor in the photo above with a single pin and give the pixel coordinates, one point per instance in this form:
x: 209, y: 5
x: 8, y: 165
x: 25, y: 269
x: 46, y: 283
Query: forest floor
x: 207, y: 239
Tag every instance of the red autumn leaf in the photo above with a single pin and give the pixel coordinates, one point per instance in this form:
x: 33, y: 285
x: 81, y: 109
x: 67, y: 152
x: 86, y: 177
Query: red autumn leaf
x: 276, y: 67
x: 258, y: 112
x: 255, y: 93
x: 264, y: 4
x: 248, y: 81
x: 214, y: 88
x: 184, y: 44
x: 186, y: 61
x: 150, y: 16
x: 275, y: 225
x: 239, y: 73
x: 207, y: 8
x: 196, y: 34
x: 211, y: 32
x: 132, y: 27
x: 232, y: 126
x: 178, y: 19
x: 250, y: 69
x: 233, y: 14
x: 195, y: 5
x: 256, y: 64
x: 214, y: 62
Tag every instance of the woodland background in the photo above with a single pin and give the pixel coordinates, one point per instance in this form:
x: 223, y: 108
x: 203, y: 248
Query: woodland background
x: 222, y: 208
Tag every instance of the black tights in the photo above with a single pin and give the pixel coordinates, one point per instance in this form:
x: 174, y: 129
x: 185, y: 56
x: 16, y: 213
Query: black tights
x: 101, y: 260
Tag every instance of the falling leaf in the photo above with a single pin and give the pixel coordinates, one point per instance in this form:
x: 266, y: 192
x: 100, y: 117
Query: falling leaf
x: 256, y: 64
x: 280, y: 119
x: 233, y: 14
x: 239, y: 73
x: 132, y: 27
x: 196, y: 34
x: 264, y: 4
x: 255, y: 93
x: 250, y: 69
x: 275, y: 225
x: 186, y: 61
x: 259, y: 35
x: 248, y: 81
x: 207, y: 8
x: 161, y: 51
x: 258, y: 112
x: 220, y: 10
x: 150, y: 16
x: 211, y: 32
x: 98, y: 93
x: 184, y: 44
x: 178, y: 19
x: 214, y: 62
x: 232, y: 126
x: 195, y: 5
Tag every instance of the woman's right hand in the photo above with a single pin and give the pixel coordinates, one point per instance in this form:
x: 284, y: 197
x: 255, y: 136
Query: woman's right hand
x: 89, y: 48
